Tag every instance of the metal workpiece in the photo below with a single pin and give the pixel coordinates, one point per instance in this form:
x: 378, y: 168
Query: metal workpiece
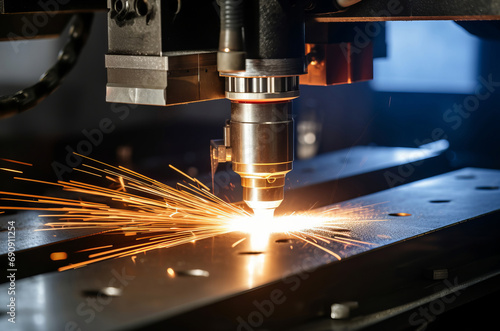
x: 227, y: 286
x: 173, y: 78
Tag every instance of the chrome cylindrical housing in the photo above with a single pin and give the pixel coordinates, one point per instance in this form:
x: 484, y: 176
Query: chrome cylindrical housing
x: 262, y: 147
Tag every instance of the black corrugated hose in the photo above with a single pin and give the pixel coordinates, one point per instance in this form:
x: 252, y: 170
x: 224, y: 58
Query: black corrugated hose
x: 29, y: 97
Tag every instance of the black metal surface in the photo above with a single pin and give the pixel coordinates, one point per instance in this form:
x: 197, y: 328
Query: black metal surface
x: 387, y: 280
x: 274, y: 29
x: 357, y: 171
x: 382, y: 10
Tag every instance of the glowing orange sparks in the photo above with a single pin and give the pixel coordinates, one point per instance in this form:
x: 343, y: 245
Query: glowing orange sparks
x: 160, y: 216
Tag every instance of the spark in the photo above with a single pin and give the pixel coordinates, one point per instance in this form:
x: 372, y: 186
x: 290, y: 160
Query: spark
x: 12, y: 170
x: 238, y: 242
x: 161, y: 216
x: 94, y: 248
x: 18, y: 162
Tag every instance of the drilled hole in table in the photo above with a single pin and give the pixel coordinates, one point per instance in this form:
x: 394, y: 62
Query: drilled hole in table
x: 466, y: 177
x: 192, y: 273
x: 399, y: 214
x: 440, y: 201
x: 251, y: 253
x: 487, y: 188
x: 104, y: 292
x: 283, y: 241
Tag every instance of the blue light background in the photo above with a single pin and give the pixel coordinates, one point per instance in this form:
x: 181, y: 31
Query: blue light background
x: 427, y: 57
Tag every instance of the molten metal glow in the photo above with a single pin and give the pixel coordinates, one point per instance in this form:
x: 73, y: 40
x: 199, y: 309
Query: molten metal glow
x: 161, y: 216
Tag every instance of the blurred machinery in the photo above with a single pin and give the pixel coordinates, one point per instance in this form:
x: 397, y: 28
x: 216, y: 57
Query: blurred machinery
x: 256, y: 53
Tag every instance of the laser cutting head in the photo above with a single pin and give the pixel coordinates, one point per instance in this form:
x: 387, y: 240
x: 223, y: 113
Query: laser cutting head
x: 260, y: 138
x: 261, y: 85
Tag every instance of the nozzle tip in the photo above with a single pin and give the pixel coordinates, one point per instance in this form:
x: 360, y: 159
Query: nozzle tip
x: 263, y: 213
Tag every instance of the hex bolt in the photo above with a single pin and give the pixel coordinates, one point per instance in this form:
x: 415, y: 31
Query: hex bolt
x: 342, y: 310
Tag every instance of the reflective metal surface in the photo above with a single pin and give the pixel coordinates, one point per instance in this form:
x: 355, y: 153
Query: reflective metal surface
x: 262, y: 88
x: 336, y: 63
x: 207, y: 275
x: 163, y: 80
x: 272, y: 67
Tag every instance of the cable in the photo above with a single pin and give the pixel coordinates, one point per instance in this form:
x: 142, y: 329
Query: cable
x: 29, y: 97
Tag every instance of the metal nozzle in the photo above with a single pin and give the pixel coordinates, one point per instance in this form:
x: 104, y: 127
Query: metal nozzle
x: 260, y: 146
x: 260, y: 142
x: 262, y: 150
